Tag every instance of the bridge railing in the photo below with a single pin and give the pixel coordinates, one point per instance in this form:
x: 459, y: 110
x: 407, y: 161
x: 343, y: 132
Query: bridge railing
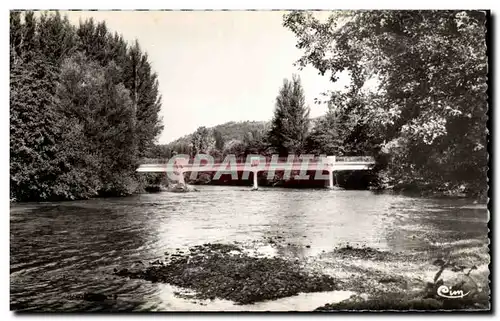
x: 354, y: 159
x: 338, y: 159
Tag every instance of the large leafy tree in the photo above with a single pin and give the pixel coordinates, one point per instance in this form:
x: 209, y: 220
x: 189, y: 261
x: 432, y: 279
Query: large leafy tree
x: 218, y: 140
x: 33, y: 132
x: 16, y: 36
x: 202, y: 141
x: 148, y: 104
x: 56, y: 38
x: 255, y: 142
x: 144, y: 86
x: 290, y: 123
x: 93, y: 97
x: 135, y: 72
x: 76, y: 128
x: 429, y: 69
x: 325, y: 137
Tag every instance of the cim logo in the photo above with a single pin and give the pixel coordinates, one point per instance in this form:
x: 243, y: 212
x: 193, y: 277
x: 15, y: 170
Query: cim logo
x: 446, y: 292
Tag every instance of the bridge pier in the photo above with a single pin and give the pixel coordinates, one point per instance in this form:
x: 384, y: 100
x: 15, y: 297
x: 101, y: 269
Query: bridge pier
x: 331, y: 164
x: 330, y: 179
x: 255, y: 181
x: 179, y: 170
x: 181, y: 178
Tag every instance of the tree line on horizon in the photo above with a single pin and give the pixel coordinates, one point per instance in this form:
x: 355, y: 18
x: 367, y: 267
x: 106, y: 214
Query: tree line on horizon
x: 426, y: 120
x: 84, y: 108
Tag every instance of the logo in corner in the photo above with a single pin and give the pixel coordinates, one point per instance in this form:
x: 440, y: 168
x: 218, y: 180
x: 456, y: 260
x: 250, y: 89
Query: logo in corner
x: 446, y: 292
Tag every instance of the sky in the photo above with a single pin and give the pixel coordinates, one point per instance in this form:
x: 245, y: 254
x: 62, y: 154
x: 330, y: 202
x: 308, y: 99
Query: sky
x: 215, y: 66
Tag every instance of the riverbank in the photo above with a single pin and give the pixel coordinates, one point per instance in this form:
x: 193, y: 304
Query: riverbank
x: 416, y: 281
x: 381, y: 280
x: 357, y: 180
x: 178, y: 188
x: 457, y: 193
x: 226, y: 271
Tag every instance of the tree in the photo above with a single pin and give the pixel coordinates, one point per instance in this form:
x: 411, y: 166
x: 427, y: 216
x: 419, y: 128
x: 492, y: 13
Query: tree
x: 143, y: 86
x: 16, y: 36
x: 202, y: 141
x: 430, y: 68
x: 291, y: 118
x: 75, y: 129
x: 255, y: 142
x: 34, y: 135
x: 136, y: 74
x: 29, y: 44
x: 218, y: 140
x: 107, y: 120
x: 56, y: 38
x: 325, y: 137
x: 234, y: 147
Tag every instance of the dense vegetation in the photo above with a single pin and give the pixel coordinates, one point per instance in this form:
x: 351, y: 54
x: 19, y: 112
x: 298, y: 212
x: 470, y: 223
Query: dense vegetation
x: 83, y: 109
x: 217, y: 140
x: 287, y: 133
x: 416, y: 100
x: 427, y: 114
x: 290, y: 123
x: 84, y: 104
x: 291, y: 131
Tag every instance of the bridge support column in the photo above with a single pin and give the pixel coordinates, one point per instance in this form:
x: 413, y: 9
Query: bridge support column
x: 255, y: 181
x: 331, y: 164
x: 330, y: 179
x: 181, y: 178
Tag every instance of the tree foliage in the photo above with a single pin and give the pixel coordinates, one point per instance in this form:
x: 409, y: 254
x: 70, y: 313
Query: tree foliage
x: 202, y: 141
x: 218, y: 140
x: 426, y: 105
x: 92, y: 97
x: 290, y: 124
x: 34, y: 135
x: 325, y: 137
x: 84, y: 107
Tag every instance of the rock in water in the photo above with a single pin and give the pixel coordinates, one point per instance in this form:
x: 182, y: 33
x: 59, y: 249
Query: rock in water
x: 181, y: 188
x: 224, y: 271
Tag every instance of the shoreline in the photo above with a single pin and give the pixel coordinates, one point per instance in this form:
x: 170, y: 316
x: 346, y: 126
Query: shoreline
x: 379, y: 280
x: 482, y: 199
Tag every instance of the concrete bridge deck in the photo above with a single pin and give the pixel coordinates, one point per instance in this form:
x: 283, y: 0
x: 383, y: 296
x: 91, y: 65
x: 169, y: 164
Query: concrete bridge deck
x: 346, y: 166
x: 257, y: 164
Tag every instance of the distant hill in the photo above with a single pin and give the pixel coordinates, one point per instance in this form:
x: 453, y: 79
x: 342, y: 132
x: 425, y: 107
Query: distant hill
x: 229, y: 131
x: 238, y: 130
x: 234, y: 131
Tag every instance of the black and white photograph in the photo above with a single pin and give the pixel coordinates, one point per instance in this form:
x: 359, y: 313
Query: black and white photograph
x: 250, y: 161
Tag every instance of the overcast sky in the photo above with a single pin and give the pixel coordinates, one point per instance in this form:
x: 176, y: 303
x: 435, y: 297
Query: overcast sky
x: 215, y: 67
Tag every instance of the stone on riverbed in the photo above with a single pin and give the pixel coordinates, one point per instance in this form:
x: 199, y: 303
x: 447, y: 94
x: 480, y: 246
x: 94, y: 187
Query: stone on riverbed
x: 365, y: 252
x: 223, y: 271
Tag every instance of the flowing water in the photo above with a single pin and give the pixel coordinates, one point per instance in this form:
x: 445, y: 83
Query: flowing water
x: 61, y: 249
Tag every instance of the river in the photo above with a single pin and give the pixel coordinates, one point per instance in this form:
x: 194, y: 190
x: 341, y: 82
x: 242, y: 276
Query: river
x: 61, y: 249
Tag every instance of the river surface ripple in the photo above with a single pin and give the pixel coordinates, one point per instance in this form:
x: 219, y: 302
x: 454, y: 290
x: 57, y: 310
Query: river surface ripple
x: 66, y: 248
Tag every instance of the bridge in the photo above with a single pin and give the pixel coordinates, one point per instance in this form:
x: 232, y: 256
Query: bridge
x: 255, y: 164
